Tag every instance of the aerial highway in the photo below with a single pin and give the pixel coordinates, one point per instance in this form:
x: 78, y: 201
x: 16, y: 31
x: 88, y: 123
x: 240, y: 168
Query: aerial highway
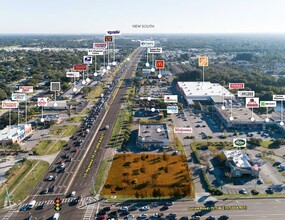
x: 76, y: 177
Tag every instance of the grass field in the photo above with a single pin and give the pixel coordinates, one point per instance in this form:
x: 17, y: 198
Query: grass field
x: 83, y: 112
x: 20, y: 173
x: 266, y: 143
x: 95, y: 93
x: 64, y: 130
x: 100, y: 176
x: 123, y: 121
x: 46, y: 147
x: 75, y: 119
x: 148, y: 175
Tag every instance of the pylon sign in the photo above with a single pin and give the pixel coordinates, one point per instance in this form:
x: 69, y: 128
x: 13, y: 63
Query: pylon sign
x: 42, y: 102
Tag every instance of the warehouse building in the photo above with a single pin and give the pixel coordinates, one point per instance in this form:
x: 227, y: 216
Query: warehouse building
x: 203, y: 92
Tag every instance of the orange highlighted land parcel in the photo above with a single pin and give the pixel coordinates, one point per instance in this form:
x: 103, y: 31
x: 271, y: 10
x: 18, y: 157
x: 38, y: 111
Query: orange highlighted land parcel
x: 149, y: 175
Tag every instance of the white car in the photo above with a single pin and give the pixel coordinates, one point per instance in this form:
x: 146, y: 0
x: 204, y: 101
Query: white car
x: 124, y: 208
x: 143, y: 216
x: 145, y: 208
x: 72, y: 193
x: 51, y: 177
x: 155, y: 215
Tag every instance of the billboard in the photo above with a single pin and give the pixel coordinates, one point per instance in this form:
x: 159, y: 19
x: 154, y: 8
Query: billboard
x: 10, y: 104
x: 87, y: 59
x: 42, y: 102
x: 154, y: 50
x: 172, y: 109
x: 203, y: 61
x: 267, y: 104
x: 159, y: 64
x: 95, y: 52
x: 99, y: 45
x: 170, y: 99
x: 116, y: 32
x: 236, y: 85
x: 246, y: 93
x: 183, y: 130
x: 146, y: 43
x: 108, y: 38
x: 54, y: 86
x: 18, y: 96
x: 252, y: 102
x: 81, y: 67
x: 72, y: 74
x: 278, y: 97
x: 26, y: 89
x: 239, y: 142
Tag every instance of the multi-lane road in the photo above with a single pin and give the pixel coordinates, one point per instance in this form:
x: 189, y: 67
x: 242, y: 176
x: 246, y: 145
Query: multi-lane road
x: 73, y: 179
x: 269, y: 209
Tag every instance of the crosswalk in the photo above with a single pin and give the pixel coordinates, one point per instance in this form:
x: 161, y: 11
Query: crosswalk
x: 8, y: 215
x: 89, y: 212
x: 84, y: 200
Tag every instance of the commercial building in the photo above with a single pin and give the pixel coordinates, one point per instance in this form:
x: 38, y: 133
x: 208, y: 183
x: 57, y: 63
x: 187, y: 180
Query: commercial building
x: 203, y: 92
x: 240, y: 164
x: 14, y: 134
x: 241, y: 117
x: 153, y: 135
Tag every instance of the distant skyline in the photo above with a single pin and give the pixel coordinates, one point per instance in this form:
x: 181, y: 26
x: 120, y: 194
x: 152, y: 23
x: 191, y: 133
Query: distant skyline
x: 165, y: 16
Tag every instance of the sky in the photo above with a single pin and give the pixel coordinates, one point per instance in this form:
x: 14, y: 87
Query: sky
x: 163, y: 16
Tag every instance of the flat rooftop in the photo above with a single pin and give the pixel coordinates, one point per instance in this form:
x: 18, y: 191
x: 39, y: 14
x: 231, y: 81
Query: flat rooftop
x: 238, y: 158
x: 239, y: 114
x: 206, y: 89
x: 154, y: 91
x: 153, y: 132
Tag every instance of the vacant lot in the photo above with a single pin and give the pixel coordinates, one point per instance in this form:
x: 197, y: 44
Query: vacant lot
x: 148, y: 175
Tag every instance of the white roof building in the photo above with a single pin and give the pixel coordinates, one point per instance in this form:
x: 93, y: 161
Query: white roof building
x: 14, y: 133
x: 204, y: 91
x: 239, y: 163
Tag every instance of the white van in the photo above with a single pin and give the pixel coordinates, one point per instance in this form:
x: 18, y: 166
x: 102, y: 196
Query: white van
x: 55, y: 216
x: 31, y: 204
